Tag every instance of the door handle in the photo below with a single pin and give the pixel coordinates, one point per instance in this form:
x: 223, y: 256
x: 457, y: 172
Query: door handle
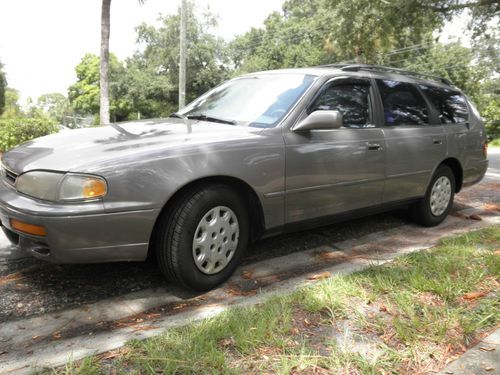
x: 374, y: 146
x: 437, y: 141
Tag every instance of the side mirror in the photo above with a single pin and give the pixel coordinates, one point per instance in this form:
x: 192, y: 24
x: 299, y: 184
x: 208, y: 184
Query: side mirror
x: 318, y: 120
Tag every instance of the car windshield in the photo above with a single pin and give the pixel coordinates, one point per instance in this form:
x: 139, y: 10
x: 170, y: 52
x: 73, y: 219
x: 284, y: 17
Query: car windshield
x: 259, y: 101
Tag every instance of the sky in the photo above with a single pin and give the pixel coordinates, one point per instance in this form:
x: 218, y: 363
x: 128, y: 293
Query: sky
x: 42, y: 41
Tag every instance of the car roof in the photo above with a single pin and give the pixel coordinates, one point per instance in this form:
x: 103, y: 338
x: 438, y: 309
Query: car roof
x: 361, y: 70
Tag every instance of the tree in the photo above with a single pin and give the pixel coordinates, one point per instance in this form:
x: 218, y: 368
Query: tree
x: 3, y: 86
x: 85, y: 93
x: 54, y: 105
x: 331, y: 31
x: 129, y: 87
x: 453, y: 62
x: 104, y: 61
x: 346, y: 31
x: 207, y: 62
x: 482, y: 11
x: 151, y: 78
x: 12, y: 108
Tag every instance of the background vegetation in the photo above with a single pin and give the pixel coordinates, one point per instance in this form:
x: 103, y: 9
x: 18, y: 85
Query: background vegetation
x: 15, y: 125
x: 19, y: 130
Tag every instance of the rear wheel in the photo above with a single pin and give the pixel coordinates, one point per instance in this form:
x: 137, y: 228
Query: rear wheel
x: 435, y: 206
x: 200, y: 240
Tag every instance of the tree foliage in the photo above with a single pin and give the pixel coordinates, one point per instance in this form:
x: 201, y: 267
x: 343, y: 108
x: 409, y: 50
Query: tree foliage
x: 398, y: 33
x: 84, y: 94
x: 207, y: 61
x: 54, y: 105
x: 313, y: 32
x: 146, y: 84
x: 12, y: 108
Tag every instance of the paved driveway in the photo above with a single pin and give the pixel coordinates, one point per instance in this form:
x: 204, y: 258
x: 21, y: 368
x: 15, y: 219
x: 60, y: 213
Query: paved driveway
x: 48, y: 311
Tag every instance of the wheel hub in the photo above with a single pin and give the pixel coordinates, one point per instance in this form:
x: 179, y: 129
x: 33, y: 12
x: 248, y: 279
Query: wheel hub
x: 440, y: 195
x: 215, y: 240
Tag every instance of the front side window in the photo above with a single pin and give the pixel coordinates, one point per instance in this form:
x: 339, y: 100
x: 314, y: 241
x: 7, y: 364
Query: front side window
x: 450, y: 104
x: 403, y: 104
x: 350, y: 99
x: 259, y: 100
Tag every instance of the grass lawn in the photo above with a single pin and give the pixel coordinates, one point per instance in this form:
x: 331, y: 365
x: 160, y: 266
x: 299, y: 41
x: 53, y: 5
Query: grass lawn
x: 494, y: 143
x: 408, y: 316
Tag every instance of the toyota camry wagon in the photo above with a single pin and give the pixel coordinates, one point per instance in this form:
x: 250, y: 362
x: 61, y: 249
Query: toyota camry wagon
x: 259, y: 155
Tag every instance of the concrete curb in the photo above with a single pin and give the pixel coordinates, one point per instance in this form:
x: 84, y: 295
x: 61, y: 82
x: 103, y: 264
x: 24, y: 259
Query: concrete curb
x: 482, y: 359
x: 107, y: 325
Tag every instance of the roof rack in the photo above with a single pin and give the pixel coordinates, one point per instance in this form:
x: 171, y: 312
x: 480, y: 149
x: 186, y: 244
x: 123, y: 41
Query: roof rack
x: 379, y: 68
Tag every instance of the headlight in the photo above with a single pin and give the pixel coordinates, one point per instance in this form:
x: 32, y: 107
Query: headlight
x: 54, y: 186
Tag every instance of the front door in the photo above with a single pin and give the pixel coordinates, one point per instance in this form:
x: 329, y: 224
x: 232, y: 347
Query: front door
x: 336, y: 170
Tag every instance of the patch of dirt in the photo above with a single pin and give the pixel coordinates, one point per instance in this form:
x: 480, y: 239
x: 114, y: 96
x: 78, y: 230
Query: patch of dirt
x: 312, y: 328
x: 430, y: 299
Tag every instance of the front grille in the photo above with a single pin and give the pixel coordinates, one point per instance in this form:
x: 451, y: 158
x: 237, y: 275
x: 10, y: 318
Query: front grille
x: 9, y: 176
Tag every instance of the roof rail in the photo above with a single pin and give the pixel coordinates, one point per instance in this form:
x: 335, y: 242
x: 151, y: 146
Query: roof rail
x: 379, y: 68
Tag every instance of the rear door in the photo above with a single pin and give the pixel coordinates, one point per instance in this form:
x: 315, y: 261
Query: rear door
x: 336, y: 170
x: 453, y: 114
x: 414, y: 145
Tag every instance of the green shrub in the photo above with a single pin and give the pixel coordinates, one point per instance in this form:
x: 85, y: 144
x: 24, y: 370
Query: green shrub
x: 18, y: 130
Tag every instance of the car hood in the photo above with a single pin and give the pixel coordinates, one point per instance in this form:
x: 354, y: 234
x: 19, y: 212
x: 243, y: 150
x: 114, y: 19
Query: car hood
x: 83, y: 150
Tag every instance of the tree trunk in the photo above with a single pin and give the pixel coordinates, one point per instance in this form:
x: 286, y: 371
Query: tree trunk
x: 182, y: 58
x: 104, y: 74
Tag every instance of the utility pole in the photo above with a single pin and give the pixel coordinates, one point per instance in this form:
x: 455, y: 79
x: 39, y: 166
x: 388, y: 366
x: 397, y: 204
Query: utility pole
x: 182, y: 60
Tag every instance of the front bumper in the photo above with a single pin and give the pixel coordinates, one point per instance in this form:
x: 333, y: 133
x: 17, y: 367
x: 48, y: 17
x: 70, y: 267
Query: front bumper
x: 77, y: 233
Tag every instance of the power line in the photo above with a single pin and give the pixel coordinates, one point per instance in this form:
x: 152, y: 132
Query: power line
x: 297, y: 38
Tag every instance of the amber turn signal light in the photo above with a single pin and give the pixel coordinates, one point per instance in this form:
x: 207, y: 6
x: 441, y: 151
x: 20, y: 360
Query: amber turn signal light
x: 94, y: 188
x: 20, y: 226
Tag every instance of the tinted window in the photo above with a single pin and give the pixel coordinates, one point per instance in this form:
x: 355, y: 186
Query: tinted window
x: 450, y: 104
x: 403, y: 104
x: 350, y: 99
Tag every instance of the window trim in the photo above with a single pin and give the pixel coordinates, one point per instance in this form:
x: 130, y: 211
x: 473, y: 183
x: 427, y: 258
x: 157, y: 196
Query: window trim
x: 372, y: 113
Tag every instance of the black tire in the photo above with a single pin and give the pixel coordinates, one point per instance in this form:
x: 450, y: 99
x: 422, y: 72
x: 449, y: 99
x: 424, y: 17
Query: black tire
x: 174, y: 233
x: 422, y: 212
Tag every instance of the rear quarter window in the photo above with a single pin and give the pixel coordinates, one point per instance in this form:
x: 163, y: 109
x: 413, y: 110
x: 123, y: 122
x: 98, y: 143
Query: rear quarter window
x: 403, y: 103
x: 451, y: 105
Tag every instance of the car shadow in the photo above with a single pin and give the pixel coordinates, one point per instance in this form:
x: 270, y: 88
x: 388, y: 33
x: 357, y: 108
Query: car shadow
x: 31, y: 287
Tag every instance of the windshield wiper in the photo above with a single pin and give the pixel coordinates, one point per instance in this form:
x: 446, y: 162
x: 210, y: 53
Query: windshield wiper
x: 211, y: 119
x: 177, y: 115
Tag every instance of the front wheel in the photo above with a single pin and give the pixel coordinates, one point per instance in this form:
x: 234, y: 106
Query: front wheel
x: 200, y: 241
x: 433, y: 208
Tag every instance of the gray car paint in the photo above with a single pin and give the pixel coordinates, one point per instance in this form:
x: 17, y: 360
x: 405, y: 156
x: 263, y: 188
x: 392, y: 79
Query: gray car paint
x: 295, y: 176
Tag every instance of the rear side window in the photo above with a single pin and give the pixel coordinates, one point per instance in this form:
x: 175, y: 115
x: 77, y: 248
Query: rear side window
x: 403, y: 103
x: 351, y: 99
x: 451, y: 105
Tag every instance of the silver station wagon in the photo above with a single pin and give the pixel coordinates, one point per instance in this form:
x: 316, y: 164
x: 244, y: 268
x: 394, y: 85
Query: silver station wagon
x: 261, y: 154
